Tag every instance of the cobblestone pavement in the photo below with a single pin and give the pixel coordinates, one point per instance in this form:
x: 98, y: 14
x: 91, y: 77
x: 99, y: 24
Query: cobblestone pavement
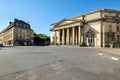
x: 56, y: 63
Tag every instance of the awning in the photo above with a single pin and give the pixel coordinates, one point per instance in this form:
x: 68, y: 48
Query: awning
x: 20, y: 40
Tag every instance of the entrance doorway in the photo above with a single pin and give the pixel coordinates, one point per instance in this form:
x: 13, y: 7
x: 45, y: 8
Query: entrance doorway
x: 90, y: 40
x: 90, y: 37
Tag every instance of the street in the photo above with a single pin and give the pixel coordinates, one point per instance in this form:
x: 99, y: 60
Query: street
x: 56, y: 63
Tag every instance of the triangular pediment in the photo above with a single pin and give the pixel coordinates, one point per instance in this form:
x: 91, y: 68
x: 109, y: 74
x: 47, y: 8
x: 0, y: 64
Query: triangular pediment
x: 91, y: 31
x: 65, y: 21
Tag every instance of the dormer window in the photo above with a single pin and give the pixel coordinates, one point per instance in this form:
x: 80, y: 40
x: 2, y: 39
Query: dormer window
x: 28, y: 26
x: 16, y: 24
x: 24, y: 25
x: 20, y: 24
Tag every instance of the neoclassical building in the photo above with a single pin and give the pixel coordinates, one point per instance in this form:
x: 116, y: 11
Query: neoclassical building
x: 98, y: 28
x: 18, y: 33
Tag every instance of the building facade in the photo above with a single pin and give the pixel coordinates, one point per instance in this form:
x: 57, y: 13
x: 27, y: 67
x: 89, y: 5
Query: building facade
x: 98, y: 28
x: 18, y: 33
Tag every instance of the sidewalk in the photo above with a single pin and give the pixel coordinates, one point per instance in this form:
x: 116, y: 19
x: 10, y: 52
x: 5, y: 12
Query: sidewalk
x: 110, y: 53
x: 110, y: 50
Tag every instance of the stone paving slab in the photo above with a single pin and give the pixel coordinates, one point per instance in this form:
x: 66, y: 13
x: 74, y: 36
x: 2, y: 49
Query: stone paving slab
x: 110, y: 50
x: 54, y: 63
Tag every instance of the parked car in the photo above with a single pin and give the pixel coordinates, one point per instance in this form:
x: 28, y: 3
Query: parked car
x: 117, y: 45
x: 1, y: 45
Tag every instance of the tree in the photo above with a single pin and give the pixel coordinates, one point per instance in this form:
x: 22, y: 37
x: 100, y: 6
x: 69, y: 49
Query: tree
x: 36, y: 40
x: 41, y: 39
x: 35, y: 34
x: 48, y: 38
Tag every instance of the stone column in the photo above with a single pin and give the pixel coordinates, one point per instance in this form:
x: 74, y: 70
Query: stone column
x: 58, y: 37
x: 103, y: 34
x: 79, y: 35
x: 68, y: 36
x: 87, y: 42
x: 76, y: 34
x: 55, y: 38
x: 82, y: 34
x: 93, y: 41
x: 73, y: 35
x: 63, y: 36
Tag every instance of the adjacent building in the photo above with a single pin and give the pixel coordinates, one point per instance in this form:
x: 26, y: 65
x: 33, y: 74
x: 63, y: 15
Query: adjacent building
x: 18, y: 33
x: 98, y: 28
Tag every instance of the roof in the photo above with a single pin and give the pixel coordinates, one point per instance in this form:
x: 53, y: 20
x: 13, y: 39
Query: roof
x: 13, y: 24
x: 10, y: 26
x: 106, y: 10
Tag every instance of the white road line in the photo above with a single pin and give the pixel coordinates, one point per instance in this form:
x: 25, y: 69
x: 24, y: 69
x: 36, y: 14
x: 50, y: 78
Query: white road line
x: 101, y: 54
x: 114, y: 58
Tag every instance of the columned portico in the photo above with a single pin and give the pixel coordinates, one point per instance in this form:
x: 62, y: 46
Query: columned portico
x: 69, y: 36
x: 75, y: 36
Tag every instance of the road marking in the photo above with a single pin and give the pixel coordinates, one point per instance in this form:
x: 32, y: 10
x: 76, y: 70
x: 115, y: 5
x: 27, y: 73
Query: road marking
x: 114, y: 58
x: 101, y: 54
x: 110, y: 57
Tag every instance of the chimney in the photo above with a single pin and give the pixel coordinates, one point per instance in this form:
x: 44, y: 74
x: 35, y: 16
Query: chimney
x: 10, y: 22
x: 15, y: 20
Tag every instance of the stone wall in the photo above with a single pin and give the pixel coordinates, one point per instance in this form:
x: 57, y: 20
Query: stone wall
x: 92, y: 16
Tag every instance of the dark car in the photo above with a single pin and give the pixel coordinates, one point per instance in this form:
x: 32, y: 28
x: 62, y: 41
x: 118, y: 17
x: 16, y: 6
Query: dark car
x: 117, y: 45
x: 1, y: 45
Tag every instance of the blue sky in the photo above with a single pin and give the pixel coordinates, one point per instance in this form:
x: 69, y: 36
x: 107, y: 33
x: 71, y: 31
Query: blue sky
x: 42, y: 13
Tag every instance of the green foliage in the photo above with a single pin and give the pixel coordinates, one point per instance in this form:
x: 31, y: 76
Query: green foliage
x: 35, y: 34
x: 41, y: 39
x: 48, y: 38
x: 112, y: 42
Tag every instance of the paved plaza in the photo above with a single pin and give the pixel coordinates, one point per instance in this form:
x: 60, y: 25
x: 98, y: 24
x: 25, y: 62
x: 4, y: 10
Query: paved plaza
x: 110, y: 50
x: 56, y: 63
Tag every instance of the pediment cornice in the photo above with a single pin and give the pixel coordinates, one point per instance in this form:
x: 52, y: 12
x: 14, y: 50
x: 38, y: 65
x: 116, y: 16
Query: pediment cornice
x: 66, y: 21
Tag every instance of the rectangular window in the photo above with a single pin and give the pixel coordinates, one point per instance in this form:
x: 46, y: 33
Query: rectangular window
x: 20, y: 30
x: 110, y: 28
x: 16, y: 36
x: 24, y: 25
x: 118, y: 29
x: 20, y: 24
x: 118, y: 38
x: 16, y: 30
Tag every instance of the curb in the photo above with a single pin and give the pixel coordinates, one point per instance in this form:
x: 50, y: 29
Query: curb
x: 112, y: 57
